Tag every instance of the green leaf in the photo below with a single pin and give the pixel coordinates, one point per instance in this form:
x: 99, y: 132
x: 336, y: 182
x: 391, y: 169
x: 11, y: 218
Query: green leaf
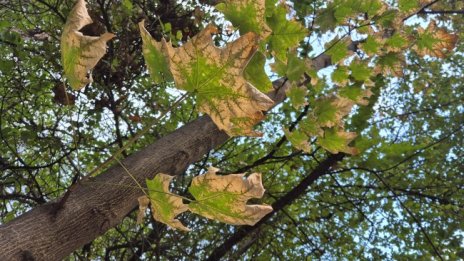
x: 155, y: 58
x: 285, y: 34
x: 407, y: 5
x: 390, y: 63
x: 340, y: 75
x: 342, y: 12
x: 396, y: 43
x: 356, y: 94
x: 247, y: 15
x: 80, y: 53
x: 336, y: 141
x: 298, y: 139
x: 360, y: 71
x: 326, y: 18
x: 329, y: 112
x: 370, y: 45
x: 256, y: 75
x: 165, y: 205
x: 224, y: 198
x: 127, y: 4
x: 310, y: 126
x: 297, y: 96
x: 337, y: 50
x: 295, y: 67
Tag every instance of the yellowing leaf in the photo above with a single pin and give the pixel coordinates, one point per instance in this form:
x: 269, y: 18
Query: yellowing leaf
x: 224, y: 198
x: 435, y: 42
x: 215, y: 75
x: 80, y: 53
x: 247, y: 15
x: 165, y: 205
x: 154, y: 56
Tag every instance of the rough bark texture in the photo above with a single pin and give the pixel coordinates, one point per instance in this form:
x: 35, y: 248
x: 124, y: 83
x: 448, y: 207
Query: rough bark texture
x: 91, y: 207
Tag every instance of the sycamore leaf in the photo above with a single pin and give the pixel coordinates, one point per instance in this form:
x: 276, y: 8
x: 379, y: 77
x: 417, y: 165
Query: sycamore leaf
x: 330, y: 111
x: 338, y: 50
x: 340, y: 76
x: 293, y: 69
x: 165, y: 205
x: 326, y: 18
x: 247, y: 15
x: 297, y: 96
x: 256, y: 75
x: 80, y: 53
x: 356, y: 94
x: 215, y: 75
x: 360, y: 71
x: 371, y: 45
x: 390, y: 63
x: 436, y: 42
x: 396, y: 43
x: 285, y: 34
x: 408, y: 5
x: 154, y: 57
x: 224, y: 198
x: 298, y: 139
x: 336, y: 141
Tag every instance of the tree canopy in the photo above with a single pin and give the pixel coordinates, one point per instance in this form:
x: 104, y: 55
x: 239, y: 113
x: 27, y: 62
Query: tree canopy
x: 269, y: 130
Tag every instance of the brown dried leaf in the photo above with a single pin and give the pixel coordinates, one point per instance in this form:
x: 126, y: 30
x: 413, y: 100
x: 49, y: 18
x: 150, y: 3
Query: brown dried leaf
x: 80, y: 53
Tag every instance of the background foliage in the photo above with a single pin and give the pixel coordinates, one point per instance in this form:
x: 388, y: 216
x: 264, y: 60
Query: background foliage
x: 401, y: 197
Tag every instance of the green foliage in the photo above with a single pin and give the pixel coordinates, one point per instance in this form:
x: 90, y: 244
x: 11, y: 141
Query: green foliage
x: 255, y: 74
x: 155, y: 59
x: 285, y: 34
x: 408, y: 85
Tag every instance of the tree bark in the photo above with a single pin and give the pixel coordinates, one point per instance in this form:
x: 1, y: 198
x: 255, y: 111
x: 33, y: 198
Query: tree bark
x: 92, y: 208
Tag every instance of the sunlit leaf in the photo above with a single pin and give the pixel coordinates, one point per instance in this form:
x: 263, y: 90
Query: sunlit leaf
x: 224, y: 198
x: 247, y: 15
x: 215, y: 75
x: 298, y: 139
x: 330, y: 111
x: 165, y: 205
x: 154, y: 55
